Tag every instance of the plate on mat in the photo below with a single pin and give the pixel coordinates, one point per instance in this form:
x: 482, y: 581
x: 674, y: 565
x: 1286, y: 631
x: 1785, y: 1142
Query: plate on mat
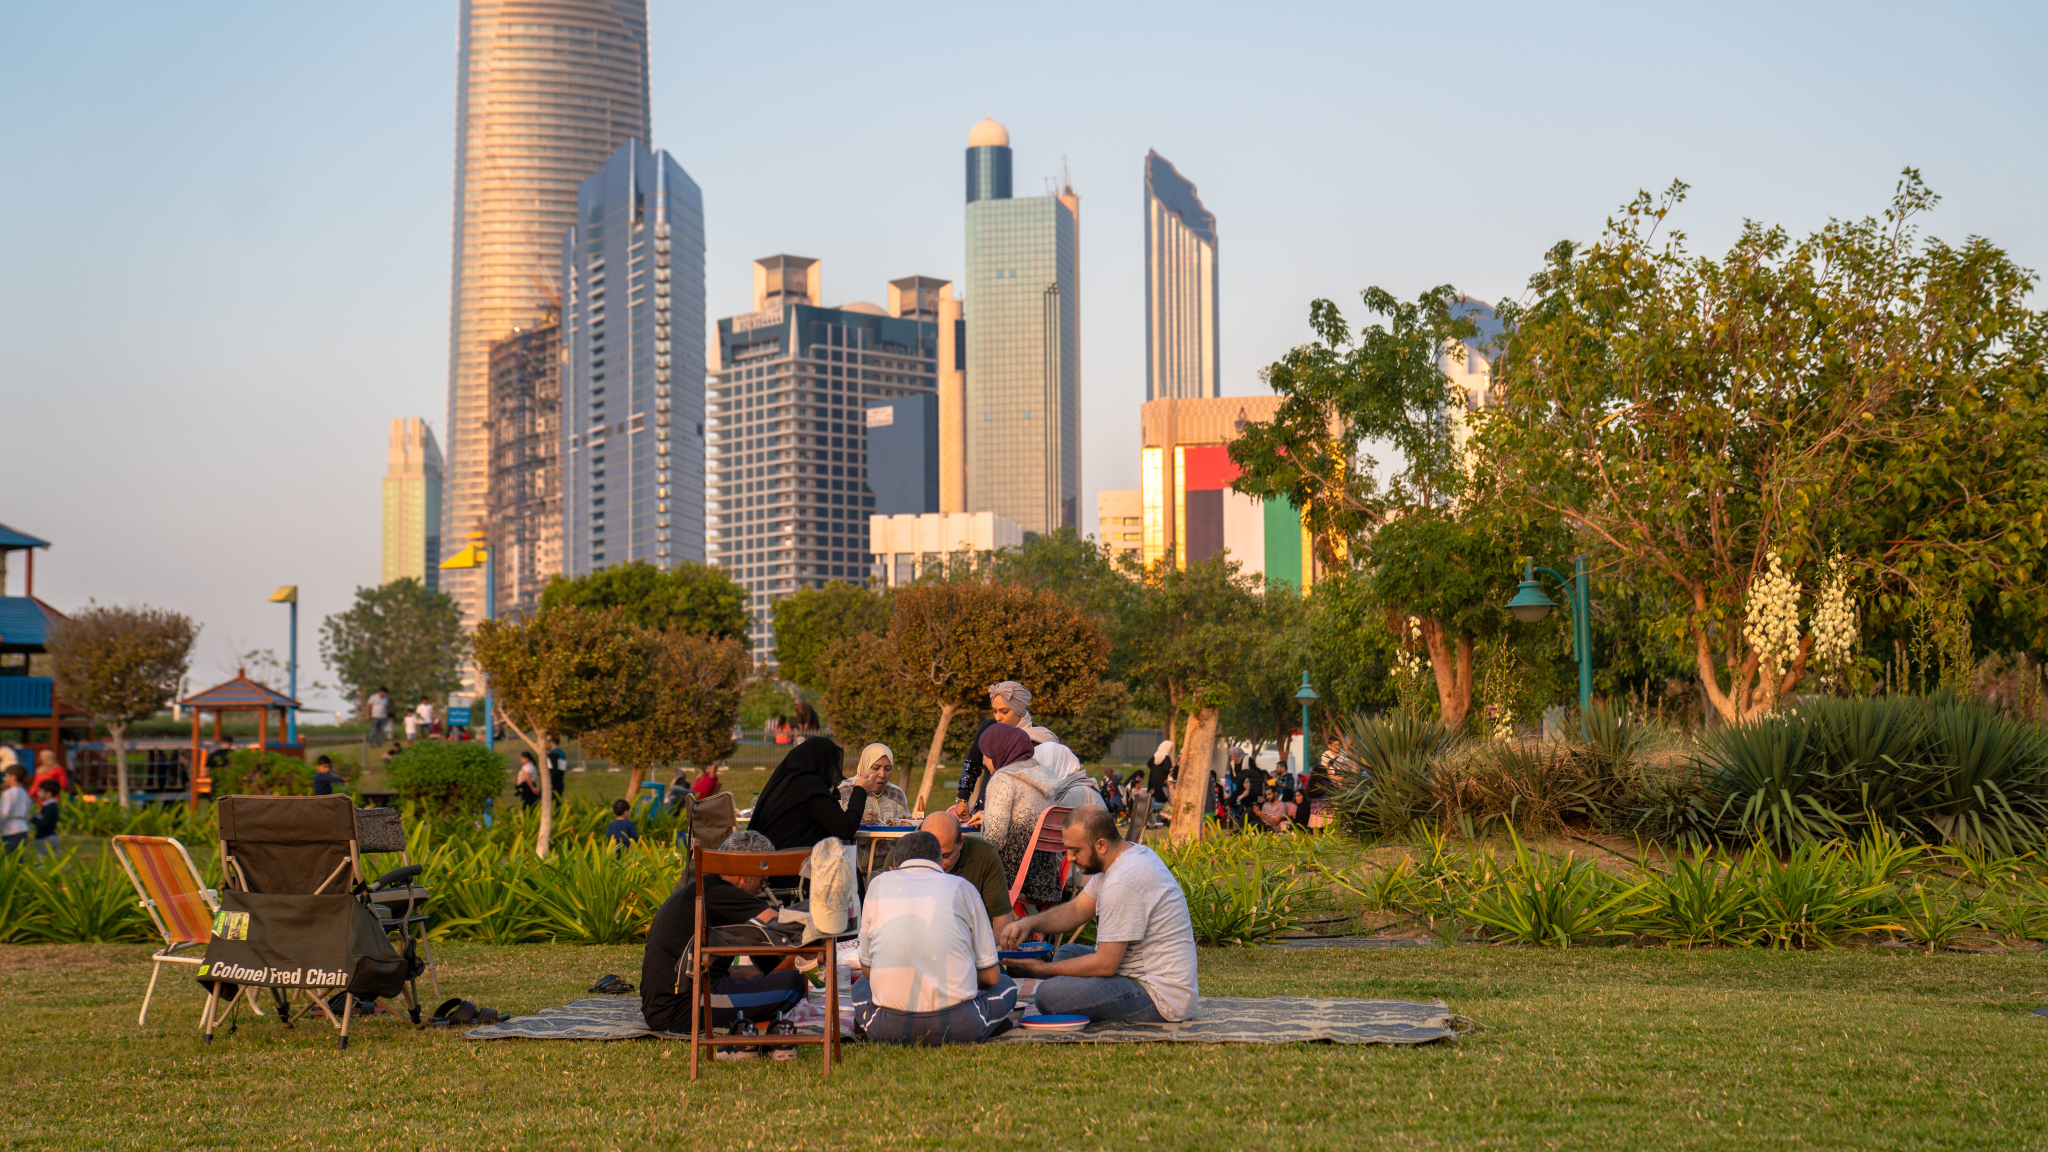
x: 1037, y: 950
x: 1054, y: 1023
x: 888, y: 827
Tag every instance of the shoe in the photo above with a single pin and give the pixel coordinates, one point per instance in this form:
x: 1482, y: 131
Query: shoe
x: 739, y: 1028
x: 782, y: 1028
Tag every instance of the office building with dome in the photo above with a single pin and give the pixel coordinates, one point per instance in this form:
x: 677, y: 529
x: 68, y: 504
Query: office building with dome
x: 1023, y: 344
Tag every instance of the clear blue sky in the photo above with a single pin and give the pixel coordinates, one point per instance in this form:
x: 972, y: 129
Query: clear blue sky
x: 224, y: 228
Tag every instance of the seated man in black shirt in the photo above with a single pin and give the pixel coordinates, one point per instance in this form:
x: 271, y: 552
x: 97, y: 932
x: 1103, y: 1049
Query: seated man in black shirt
x: 665, y: 972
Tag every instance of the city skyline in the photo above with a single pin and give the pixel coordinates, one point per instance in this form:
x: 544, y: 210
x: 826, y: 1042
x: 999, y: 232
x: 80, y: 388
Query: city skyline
x: 1183, y: 340
x: 332, y: 192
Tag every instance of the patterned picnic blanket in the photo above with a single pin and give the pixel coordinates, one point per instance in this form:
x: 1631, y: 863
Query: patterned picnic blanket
x: 1223, y: 1020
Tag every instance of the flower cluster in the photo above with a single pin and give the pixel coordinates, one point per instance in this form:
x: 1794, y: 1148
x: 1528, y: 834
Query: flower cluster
x: 1772, y: 628
x: 1834, y: 619
x: 1410, y: 660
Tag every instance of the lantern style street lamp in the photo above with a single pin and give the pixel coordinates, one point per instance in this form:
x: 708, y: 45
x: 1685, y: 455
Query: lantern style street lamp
x: 1531, y: 605
x: 289, y: 594
x: 1305, y: 696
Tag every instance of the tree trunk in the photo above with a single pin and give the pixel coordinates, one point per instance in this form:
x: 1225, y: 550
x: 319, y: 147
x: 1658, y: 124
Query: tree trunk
x: 118, y: 732
x: 931, y: 761
x: 633, y: 784
x: 1191, y: 793
x: 547, y: 782
x: 1453, y: 675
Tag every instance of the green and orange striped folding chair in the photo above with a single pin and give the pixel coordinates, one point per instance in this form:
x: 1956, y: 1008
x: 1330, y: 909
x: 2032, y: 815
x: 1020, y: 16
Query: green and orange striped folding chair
x: 176, y: 898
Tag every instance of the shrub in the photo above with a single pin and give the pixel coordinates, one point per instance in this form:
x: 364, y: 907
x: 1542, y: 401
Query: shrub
x: 250, y: 772
x: 448, y: 777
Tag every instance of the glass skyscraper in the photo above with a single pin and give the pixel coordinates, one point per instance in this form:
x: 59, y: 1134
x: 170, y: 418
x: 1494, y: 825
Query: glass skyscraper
x: 1023, y: 344
x: 789, y: 498
x: 1182, y: 349
x: 412, y: 504
x: 547, y: 90
x: 632, y: 271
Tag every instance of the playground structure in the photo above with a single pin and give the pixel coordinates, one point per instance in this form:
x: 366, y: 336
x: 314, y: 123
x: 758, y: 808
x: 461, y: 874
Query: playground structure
x: 32, y: 716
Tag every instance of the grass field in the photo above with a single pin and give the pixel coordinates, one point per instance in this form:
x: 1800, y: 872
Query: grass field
x: 1597, y: 1048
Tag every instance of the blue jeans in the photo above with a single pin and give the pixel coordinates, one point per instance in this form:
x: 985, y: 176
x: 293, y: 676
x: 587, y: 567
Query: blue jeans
x: 968, y: 1022
x: 1119, y: 998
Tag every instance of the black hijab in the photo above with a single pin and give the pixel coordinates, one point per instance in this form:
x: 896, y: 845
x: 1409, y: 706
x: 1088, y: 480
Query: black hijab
x: 810, y: 769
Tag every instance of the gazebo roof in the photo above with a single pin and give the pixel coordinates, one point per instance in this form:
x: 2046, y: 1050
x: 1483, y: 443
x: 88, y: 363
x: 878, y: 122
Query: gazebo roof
x: 25, y: 622
x: 239, y: 693
x: 11, y: 540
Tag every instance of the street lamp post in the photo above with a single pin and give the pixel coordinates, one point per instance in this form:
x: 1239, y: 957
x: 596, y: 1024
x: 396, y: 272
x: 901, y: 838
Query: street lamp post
x: 289, y: 594
x: 1306, y: 696
x: 1531, y: 605
x: 478, y: 554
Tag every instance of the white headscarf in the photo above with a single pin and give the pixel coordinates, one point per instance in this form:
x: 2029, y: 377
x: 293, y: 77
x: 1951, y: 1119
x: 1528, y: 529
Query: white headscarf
x: 1165, y: 749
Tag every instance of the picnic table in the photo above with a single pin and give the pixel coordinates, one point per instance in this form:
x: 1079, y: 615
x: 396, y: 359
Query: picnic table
x: 876, y: 835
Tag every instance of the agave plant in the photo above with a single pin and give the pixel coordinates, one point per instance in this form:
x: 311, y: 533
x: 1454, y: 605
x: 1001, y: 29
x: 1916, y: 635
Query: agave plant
x: 1391, y: 757
x: 1765, y: 778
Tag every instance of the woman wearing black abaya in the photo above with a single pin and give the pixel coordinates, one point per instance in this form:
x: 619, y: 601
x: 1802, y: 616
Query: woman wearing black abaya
x: 800, y: 805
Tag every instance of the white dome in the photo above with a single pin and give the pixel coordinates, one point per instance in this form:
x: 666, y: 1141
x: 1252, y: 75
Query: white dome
x: 988, y: 134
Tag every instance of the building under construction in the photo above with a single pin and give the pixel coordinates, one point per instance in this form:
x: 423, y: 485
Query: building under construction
x: 525, y: 502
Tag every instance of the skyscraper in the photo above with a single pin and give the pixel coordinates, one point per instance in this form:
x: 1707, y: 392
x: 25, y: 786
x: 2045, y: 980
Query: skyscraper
x: 1181, y: 342
x: 412, y: 504
x: 633, y: 399
x: 547, y: 89
x: 1023, y: 381
x: 526, y: 464
x: 789, y: 498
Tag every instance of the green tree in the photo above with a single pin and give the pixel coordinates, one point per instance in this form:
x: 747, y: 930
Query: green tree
x: 696, y: 701
x: 564, y: 672
x: 867, y: 698
x: 121, y: 665
x: 810, y: 620
x: 953, y: 640
x: 448, y: 778
x: 1188, y: 634
x: 398, y: 636
x: 1855, y: 391
x: 696, y: 598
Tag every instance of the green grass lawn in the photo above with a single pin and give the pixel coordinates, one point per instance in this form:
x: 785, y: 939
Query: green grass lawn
x: 1597, y: 1048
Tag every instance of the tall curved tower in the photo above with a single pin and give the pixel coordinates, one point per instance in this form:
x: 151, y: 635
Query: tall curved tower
x: 1182, y: 346
x: 546, y: 91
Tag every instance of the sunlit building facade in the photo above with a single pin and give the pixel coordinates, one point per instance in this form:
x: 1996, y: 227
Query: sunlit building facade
x: 1189, y: 512
x: 412, y: 504
x: 546, y: 91
x: 1182, y: 347
x: 790, y: 391
x: 1023, y: 377
x: 632, y: 270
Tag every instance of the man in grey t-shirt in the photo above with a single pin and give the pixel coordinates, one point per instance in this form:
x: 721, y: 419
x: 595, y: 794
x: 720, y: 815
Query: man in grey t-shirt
x: 1142, y: 968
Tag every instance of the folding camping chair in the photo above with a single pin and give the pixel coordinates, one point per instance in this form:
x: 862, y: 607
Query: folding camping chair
x: 764, y: 864
x: 1045, y: 838
x: 177, y: 900
x: 400, y: 904
x: 1141, y: 811
x: 304, y: 846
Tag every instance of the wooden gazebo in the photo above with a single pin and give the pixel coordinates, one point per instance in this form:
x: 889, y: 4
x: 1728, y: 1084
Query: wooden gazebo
x: 238, y: 695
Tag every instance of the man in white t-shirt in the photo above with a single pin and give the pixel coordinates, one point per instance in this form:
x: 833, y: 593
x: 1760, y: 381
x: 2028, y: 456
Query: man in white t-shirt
x: 926, y: 970
x: 380, y: 716
x: 1142, y: 968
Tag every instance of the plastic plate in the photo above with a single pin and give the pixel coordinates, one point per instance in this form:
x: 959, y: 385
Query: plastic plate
x: 1035, y: 952
x: 1054, y: 1023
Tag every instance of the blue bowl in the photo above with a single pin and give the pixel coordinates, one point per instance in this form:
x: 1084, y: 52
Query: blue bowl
x: 1038, y: 950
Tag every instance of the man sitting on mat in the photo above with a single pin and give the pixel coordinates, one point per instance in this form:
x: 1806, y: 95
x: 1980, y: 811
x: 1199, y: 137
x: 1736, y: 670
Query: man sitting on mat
x: 1142, y: 968
x: 974, y: 860
x: 927, y: 972
x: 665, y: 972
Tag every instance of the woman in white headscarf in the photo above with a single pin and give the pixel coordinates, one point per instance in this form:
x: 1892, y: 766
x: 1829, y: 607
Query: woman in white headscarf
x: 1159, y: 770
x: 1017, y: 794
x: 887, y: 804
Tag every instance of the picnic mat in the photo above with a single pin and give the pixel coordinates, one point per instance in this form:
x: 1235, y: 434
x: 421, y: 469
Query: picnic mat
x: 1223, y: 1020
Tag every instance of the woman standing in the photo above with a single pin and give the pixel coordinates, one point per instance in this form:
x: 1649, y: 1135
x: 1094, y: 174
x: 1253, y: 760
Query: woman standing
x: 797, y: 808
x: 527, y: 785
x: 1158, y: 770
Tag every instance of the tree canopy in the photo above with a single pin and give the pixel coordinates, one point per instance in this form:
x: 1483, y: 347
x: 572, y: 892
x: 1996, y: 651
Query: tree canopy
x: 696, y: 598
x: 810, y: 620
x: 1857, y: 393
x: 121, y: 665
x: 397, y: 636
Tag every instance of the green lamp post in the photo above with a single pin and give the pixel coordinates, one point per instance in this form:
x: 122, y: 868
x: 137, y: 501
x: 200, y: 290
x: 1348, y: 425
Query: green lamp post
x: 1305, y: 696
x: 1531, y: 605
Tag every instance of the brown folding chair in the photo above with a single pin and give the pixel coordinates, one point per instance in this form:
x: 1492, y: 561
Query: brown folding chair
x: 1045, y: 838
x: 763, y: 864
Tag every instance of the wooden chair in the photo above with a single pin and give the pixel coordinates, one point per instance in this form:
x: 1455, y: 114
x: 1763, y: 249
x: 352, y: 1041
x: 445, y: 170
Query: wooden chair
x: 1045, y: 838
x: 765, y: 865
x: 177, y: 900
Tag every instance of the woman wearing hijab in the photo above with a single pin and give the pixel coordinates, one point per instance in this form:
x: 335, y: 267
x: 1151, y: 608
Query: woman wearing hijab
x: 1009, y: 703
x: 886, y: 804
x: 798, y: 807
x: 1029, y: 778
x: 1158, y: 769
